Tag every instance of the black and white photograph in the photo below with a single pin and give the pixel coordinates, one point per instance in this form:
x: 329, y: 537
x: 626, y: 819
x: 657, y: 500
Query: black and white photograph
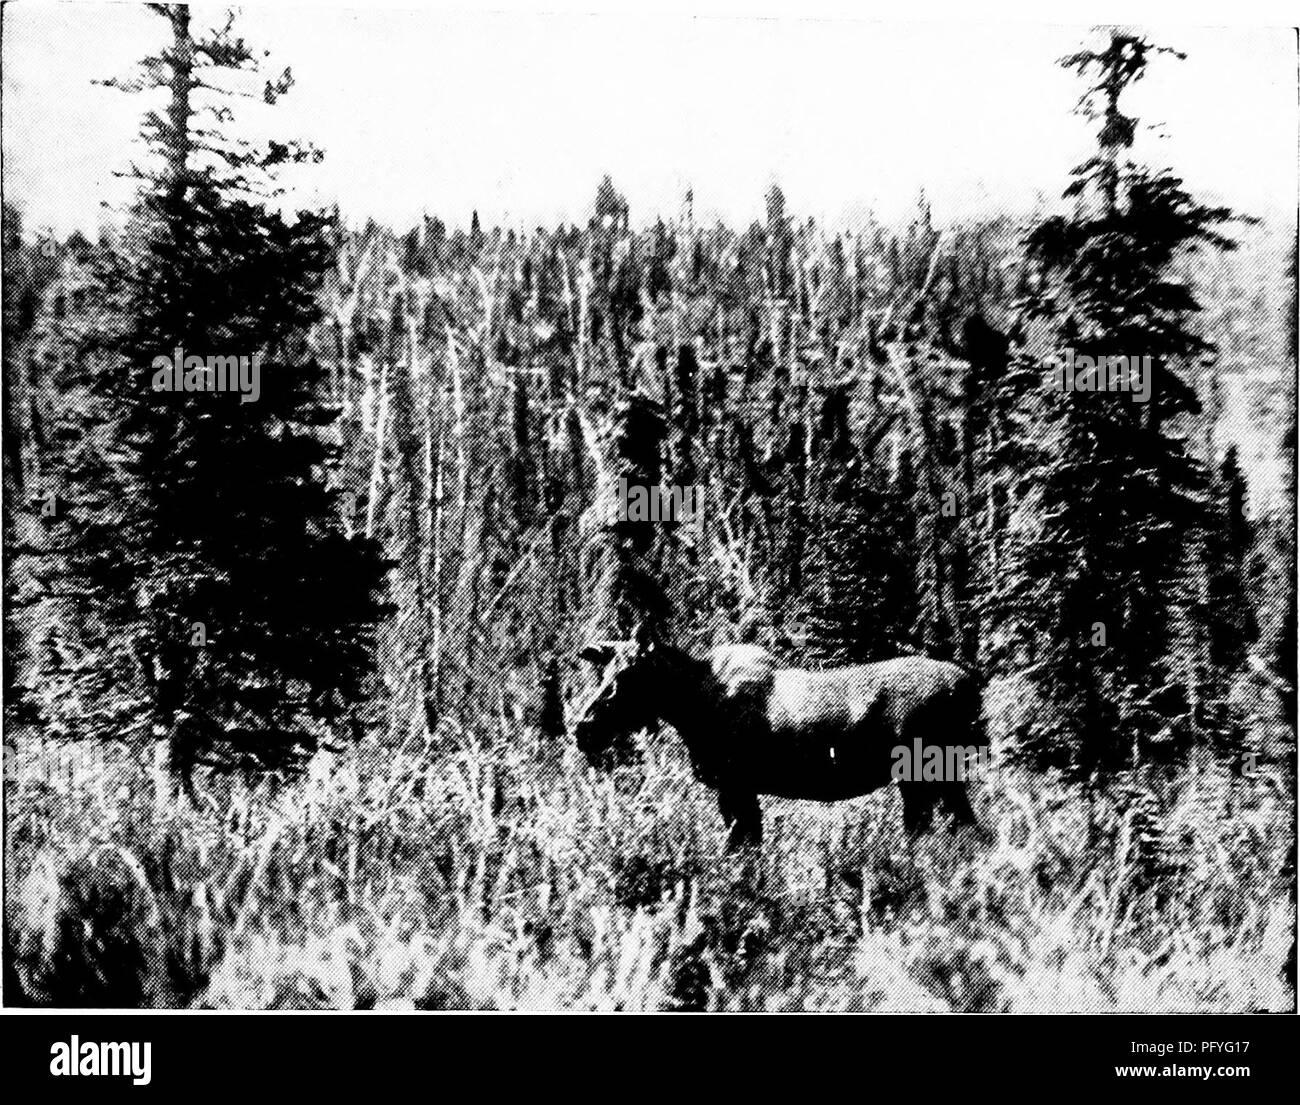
x: 563, y: 509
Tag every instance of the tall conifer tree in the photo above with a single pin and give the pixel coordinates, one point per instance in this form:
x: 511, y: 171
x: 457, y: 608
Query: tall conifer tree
x: 237, y: 618
x: 1119, y: 492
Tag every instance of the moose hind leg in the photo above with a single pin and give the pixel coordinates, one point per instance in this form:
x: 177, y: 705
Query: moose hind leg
x: 919, y: 800
x: 922, y: 800
x: 955, y: 800
x: 957, y: 803
x: 743, y: 817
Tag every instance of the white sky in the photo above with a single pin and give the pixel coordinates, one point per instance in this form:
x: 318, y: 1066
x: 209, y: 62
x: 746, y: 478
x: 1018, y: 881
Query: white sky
x: 520, y: 115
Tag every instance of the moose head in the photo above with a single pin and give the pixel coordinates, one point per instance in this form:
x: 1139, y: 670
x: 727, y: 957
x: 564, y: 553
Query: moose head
x: 627, y: 699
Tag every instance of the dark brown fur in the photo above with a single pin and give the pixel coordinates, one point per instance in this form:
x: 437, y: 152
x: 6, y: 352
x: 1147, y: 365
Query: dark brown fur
x: 752, y: 728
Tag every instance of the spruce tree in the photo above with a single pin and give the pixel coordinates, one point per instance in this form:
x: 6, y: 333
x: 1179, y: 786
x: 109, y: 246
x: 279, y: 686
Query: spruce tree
x: 206, y: 536
x: 1230, y: 615
x: 1119, y: 494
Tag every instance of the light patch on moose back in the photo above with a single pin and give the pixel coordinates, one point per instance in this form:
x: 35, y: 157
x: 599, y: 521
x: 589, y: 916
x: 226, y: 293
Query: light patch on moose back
x: 743, y: 668
x: 860, y: 705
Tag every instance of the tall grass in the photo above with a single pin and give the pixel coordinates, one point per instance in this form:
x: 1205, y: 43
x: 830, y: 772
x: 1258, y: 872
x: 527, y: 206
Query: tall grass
x: 462, y: 875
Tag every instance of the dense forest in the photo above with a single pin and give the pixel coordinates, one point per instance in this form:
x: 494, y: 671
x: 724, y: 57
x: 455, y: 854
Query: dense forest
x: 326, y: 642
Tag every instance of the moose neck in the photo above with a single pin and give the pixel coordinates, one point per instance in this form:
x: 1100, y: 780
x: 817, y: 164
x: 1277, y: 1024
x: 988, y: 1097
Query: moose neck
x: 692, y: 700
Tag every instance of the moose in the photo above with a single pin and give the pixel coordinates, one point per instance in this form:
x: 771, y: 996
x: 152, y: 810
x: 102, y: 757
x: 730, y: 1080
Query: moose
x: 752, y: 728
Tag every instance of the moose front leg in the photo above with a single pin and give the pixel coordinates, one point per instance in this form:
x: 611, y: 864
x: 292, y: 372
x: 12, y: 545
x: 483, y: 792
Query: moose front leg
x: 743, y: 817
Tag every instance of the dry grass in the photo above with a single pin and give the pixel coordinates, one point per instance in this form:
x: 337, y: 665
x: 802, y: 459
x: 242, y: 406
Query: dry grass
x: 458, y: 876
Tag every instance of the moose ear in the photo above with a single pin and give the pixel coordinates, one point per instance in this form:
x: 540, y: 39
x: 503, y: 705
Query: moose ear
x: 600, y: 655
